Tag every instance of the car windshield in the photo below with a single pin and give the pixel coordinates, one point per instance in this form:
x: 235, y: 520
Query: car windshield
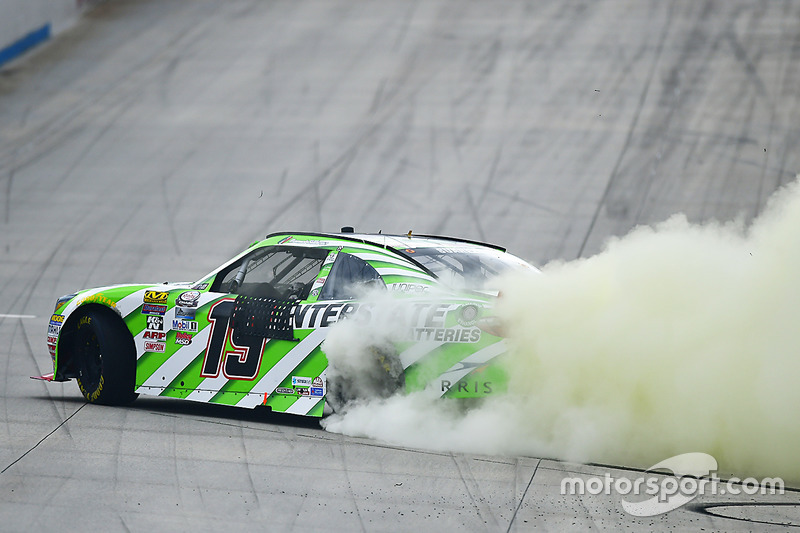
x: 467, y: 267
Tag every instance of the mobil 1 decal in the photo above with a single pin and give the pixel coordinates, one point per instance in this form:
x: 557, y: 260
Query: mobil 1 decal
x: 236, y: 361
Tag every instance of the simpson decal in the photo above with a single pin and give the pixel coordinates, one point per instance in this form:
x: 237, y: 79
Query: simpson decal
x: 155, y: 346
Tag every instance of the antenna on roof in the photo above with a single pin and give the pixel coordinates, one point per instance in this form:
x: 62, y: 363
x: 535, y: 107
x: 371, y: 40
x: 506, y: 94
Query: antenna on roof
x: 409, y: 234
x: 379, y: 231
x: 347, y: 229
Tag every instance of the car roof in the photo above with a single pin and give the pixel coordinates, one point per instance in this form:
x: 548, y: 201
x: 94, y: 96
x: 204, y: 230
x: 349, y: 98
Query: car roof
x: 396, y: 241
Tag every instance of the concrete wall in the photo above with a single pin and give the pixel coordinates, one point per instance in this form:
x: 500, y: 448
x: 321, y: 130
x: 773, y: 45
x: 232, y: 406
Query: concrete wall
x: 26, y: 23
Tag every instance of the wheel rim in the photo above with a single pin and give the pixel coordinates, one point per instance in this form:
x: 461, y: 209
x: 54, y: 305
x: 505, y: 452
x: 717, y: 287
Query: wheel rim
x: 91, y: 361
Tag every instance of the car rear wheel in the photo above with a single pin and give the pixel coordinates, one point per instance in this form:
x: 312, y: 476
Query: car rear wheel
x: 383, y: 377
x: 105, y: 358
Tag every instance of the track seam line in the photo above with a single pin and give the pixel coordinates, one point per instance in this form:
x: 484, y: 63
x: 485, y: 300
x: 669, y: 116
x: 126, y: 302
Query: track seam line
x: 18, y: 459
x: 522, y: 498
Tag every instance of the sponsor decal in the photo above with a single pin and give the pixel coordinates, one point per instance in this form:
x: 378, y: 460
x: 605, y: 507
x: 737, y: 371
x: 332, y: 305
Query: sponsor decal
x: 52, y: 340
x: 315, y: 293
x: 200, y: 286
x: 188, y: 299
x: 57, y: 319
x: 155, y: 323
x: 316, y: 391
x: 484, y: 387
x: 331, y: 258
x: 155, y: 346
x: 98, y: 299
x: 446, y: 334
x: 154, y: 309
x: 319, y: 282
x: 468, y: 315
x: 155, y: 297
x: 317, y: 382
x: 301, y: 382
x: 302, y: 392
x: 298, y: 242
x: 184, y: 339
x: 53, y: 329
x: 185, y: 325
x: 410, y: 288
x: 154, y: 335
x: 284, y: 390
x: 424, y: 321
x: 184, y: 313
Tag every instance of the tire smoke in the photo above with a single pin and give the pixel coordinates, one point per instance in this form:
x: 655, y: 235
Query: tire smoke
x: 676, y: 338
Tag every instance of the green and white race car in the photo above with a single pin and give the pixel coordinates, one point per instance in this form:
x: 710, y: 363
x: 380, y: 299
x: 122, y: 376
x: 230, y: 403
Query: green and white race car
x: 251, y: 332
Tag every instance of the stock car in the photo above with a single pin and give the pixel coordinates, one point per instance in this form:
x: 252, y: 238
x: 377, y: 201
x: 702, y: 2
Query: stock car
x: 251, y: 332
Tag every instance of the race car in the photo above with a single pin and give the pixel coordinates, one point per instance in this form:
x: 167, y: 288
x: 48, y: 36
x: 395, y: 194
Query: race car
x: 252, y: 332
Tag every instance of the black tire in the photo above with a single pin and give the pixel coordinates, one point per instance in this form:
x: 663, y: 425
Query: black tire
x: 383, y: 378
x: 105, y: 357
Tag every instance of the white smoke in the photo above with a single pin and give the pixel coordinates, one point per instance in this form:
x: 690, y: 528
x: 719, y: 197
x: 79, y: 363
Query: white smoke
x: 674, y: 339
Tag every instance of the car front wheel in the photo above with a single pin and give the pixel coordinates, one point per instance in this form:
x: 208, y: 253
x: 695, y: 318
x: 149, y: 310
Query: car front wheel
x: 106, y: 359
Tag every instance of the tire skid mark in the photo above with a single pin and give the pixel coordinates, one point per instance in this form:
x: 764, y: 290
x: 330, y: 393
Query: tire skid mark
x: 631, y: 129
x: 346, y: 470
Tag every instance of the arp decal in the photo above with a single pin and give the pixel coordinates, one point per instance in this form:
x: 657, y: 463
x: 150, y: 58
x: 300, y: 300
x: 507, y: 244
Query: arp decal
x: 154, y: 335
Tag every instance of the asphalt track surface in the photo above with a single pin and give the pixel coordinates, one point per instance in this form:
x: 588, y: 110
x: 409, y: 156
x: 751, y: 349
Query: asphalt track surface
x: 158, y: 138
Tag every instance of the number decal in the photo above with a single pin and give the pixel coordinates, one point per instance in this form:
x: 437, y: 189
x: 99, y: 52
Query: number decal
x: 241, y: 361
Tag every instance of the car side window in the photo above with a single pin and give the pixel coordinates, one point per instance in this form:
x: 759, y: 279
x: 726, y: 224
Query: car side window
x: 279, y: 272
x: 349, y: 277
